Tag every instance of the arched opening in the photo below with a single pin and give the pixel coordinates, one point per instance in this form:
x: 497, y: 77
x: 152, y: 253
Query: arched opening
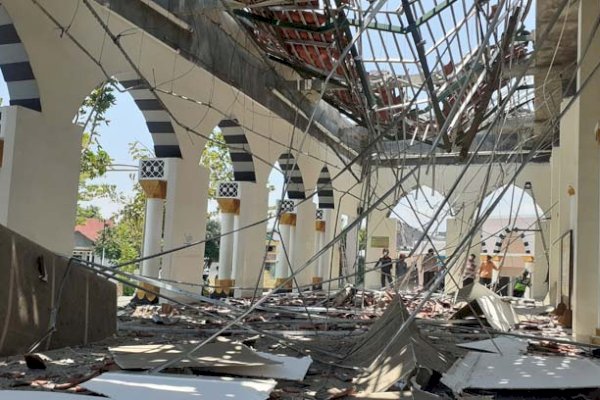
x: 513, y: 234
x: 414, y: 212
x: 286, y: 186
x: 110, y: 209
x: 228, y: 157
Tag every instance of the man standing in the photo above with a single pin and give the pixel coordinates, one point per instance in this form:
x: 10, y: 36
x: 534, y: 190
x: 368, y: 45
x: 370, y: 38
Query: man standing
x: 470, y: 271
x: 401, y: 267
x: 486, y: 271
x: 428, y: 267
x: 522, y: 283
x: 385, y: 263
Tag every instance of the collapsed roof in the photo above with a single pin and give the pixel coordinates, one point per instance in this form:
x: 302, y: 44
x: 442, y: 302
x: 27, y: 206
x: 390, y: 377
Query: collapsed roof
x: 432, y: 71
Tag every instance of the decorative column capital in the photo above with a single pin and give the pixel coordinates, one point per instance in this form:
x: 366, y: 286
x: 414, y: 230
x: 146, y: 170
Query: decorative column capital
x: 287, y: 219
x: 320, y: 223
x: 228, y: 197
x: 320, y: 226
x: 286, y: 206
x: 287, y: 210
x: 229, y: 206
x: 152, y: 175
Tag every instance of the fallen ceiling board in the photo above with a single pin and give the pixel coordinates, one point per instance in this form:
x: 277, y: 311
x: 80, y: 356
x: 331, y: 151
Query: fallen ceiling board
x: 521, y: 372
x: 398, y: 357
x: 473, y: 291
x: 499, y: 314
x: 40, y: 395
x: 127, y: 386
x: 406, y: 395
x: 507, y: 345
x: 291, y: 368
x: 220, y: 354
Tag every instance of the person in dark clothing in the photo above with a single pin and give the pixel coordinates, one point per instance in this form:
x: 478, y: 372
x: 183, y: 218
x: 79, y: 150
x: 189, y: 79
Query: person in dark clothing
x: 429, y: 267
x: 401, y: 266
x: 385, y: 263
x: 522, y: 283
x: 470, y: 271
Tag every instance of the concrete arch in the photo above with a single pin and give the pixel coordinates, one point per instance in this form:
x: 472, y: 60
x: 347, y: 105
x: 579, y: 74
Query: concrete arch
x: 325, y: 189
x: 16, y: 68
x: 291, y: 170
x: 157, y: 119
x: 484, y: 249
x: 401, y: 194
x: 505, y: 235
x: 239, y: 149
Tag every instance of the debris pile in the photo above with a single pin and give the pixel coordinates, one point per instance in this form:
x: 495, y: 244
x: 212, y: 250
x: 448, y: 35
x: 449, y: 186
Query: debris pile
x: 350, y: 344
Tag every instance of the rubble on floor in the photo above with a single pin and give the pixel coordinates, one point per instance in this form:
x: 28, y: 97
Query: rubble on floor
x: 316, y: 346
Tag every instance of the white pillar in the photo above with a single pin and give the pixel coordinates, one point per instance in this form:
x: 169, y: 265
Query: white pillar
x: 287, y: 223
x: 555, y: 229
x: 251, y: 251
x: 152, y: 177
x: 185, y: 222
x: 291, y: 249
x: 229, y: 207
x: 152, y: 236
x: 39, y: 176
x: 539, y: 287
x: 352, y: 251
x: 236, y: 262
x: 303, y: 241
x: 226, y: 246
x: 283, y: 266
x: 587, y: 230
x: 569, y: 139
x: 319, y: 266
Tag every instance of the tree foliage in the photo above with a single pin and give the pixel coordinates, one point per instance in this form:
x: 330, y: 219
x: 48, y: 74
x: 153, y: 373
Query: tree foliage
x: 122, y: 242
x: 211, y: 247
x: 94, y: 159
x: 216, y: 158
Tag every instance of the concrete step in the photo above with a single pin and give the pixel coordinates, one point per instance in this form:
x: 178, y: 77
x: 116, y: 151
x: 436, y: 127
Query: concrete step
x: 595, y: 339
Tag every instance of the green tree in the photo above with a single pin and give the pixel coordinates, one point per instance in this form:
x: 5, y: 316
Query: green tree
x: 90, y: 211
x: 94, y: 159
x: 211, y: 247
x: 123, y: 241
x: 216, y: 158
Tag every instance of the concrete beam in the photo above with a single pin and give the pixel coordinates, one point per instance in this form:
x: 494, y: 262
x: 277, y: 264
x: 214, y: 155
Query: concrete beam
x: 214, y: 44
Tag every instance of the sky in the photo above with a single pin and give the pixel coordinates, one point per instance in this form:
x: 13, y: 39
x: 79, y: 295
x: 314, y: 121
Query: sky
x: 425, y: 202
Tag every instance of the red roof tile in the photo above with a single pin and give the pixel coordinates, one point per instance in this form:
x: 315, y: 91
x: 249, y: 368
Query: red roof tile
x: 92, y: 228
